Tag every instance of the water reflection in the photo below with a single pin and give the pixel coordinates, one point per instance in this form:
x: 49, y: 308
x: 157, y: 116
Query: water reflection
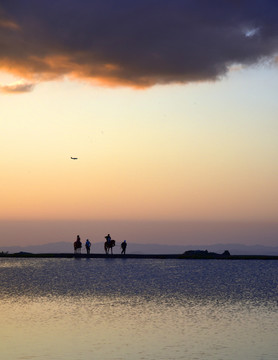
x: 138, y: 309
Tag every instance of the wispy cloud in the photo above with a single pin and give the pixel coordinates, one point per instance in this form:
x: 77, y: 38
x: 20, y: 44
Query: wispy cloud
x: 252, y: 32
x: 9, y: 25
x: 135, y: 43
x: 17, y: 87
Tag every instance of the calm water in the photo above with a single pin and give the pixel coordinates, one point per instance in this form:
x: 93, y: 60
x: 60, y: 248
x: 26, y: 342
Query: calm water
x: 138, y: 309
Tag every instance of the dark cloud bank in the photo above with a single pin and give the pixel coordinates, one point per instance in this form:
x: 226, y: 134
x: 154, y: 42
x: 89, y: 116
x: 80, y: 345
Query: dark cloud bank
x: 136, y: 43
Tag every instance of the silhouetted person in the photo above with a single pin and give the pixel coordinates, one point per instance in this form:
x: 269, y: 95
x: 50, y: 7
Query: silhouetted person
x: 88, y: 246
x: 108, y: 238
x: 77, y: 245
x: 123, y: 246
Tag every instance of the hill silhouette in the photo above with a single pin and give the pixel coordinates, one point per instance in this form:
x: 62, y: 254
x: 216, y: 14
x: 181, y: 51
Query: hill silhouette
x: 136, y: 248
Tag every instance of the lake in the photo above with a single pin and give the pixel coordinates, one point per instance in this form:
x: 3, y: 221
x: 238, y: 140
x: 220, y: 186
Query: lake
x: 79, y: 309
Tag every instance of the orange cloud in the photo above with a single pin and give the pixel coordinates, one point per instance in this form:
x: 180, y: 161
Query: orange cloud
x: 53, y: 67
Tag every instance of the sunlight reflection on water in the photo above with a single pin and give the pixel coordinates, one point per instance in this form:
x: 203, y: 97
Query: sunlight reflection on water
x: 138, y: 309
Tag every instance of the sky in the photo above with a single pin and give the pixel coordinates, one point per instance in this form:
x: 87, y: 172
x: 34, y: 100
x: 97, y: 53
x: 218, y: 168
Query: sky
x: 170, y: 107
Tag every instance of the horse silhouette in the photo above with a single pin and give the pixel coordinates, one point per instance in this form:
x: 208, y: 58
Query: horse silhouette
x: 77, y: 245
x: 109, y: 246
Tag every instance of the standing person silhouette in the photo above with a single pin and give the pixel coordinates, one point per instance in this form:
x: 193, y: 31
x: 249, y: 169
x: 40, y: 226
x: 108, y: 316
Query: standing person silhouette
x: 88, y: 246
x: 123, y: 246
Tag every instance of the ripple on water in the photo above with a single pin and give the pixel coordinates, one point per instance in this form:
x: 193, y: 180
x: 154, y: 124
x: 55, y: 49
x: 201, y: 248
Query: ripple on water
x: 135, y: 309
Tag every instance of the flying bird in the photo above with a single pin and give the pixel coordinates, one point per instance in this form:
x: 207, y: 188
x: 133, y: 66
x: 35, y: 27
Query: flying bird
x: 73, y: 158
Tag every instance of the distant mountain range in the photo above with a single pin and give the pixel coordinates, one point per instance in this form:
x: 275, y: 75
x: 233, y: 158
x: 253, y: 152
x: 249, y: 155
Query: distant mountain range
x: 136, y: 248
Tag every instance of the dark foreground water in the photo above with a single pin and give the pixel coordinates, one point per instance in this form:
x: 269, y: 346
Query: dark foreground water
x: 138, y: 309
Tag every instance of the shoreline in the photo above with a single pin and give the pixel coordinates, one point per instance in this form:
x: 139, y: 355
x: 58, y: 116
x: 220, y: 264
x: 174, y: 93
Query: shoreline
x: 140, y: 256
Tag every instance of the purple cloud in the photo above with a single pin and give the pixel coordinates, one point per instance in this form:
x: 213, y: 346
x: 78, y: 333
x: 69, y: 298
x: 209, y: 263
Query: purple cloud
x: 135, y: 43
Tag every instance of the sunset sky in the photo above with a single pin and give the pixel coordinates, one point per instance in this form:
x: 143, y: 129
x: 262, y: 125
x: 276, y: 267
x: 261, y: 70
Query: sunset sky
x: 170, y: 106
